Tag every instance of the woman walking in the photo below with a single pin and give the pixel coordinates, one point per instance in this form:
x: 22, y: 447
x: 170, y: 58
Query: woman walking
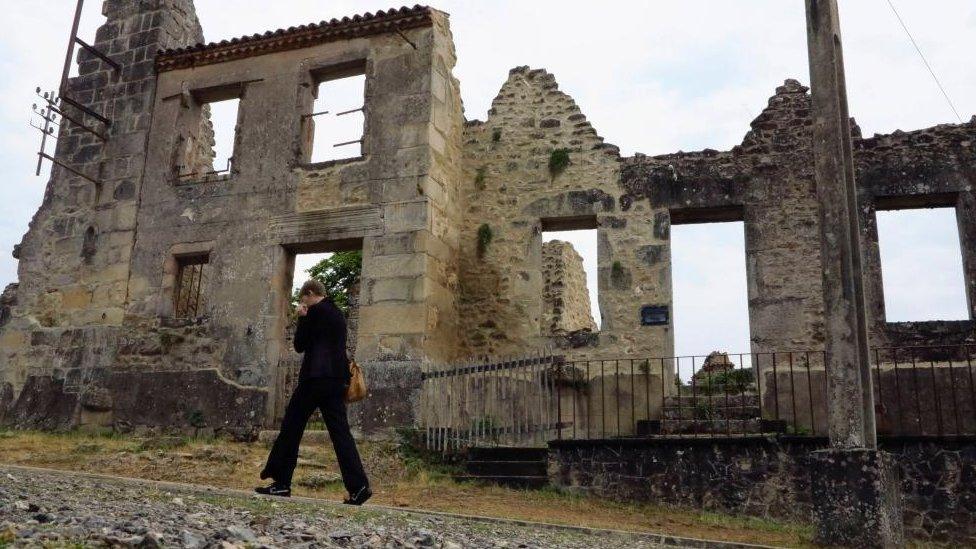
x: 322, y: 383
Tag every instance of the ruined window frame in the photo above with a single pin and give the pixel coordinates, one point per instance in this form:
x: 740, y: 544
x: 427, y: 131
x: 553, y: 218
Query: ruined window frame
x: 890, y: 203
x: 710, y: 215
x: 197, y: 266
x: 178, y: 255
x: 314, y: 78
x: 194, y: 101
x: 585, y: 222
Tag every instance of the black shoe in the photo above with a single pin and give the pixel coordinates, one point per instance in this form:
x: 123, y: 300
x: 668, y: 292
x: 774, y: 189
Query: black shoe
x: 359, y: 497
x: 274, y: 490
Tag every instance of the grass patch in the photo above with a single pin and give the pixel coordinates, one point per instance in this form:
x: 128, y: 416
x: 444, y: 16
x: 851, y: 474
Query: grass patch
x: 319, y: 480
x: 87, y: 448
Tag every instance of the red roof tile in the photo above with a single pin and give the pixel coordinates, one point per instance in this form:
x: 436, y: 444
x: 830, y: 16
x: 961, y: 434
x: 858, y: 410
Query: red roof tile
x: 291, y: 38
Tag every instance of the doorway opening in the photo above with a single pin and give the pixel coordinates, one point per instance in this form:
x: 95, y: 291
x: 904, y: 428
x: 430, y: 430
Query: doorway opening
x: 710, y: 296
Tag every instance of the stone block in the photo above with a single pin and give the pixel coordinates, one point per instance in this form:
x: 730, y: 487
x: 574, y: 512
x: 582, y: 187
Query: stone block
x: 392, y: 318
x: 14, y: 339
x: 405, y: 216
x: 386, y: 266
x: 403, y: 188
x: 856, y: 498
x: 399, y: 243
x: 393, y: 289
x: 75, y: 297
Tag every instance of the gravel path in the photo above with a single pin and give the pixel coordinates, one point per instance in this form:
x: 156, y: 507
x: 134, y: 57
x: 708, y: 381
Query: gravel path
x: 65, y: 509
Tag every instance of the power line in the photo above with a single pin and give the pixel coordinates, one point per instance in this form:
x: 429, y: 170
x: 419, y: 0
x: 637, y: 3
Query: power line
x: 927, y: 66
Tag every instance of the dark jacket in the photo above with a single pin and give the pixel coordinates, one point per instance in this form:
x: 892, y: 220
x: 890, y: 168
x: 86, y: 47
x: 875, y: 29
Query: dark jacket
x: 321, y: 335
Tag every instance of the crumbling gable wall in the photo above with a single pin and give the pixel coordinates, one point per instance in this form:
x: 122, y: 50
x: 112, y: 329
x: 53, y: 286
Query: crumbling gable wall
x: 509, y: 188
x: 767, y: 182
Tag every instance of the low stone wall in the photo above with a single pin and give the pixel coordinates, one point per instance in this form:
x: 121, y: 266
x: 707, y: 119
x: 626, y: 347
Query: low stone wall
x: 191, y: 402
x: 770, y: 477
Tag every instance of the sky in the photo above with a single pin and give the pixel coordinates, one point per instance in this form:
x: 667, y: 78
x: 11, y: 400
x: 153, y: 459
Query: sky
x: 653, y: 76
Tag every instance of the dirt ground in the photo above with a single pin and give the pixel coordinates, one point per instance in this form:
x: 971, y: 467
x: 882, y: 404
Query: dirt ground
x: 398, y: 479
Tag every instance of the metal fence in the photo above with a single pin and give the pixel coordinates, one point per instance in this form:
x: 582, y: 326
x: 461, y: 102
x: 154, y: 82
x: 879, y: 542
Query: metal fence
x: 531, y: 400
x: 490, y: 402
x: 925, y: 390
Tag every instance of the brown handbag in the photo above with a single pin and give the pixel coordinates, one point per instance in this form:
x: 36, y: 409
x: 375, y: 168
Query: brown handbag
x: 357, y: 383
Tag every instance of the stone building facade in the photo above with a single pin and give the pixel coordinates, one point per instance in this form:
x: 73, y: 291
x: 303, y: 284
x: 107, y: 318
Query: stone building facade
x: 449, y: 214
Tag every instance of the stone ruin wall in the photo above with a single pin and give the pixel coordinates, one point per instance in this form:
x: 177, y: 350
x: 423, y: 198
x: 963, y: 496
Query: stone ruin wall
x: 565, y: 295
x: 508, y: 186
x: 65, y: 314
x: 85, y: 330
x: 767, y: 182
x: 136, y: 365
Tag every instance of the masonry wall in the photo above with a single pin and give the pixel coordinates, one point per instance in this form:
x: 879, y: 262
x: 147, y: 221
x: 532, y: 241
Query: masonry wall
x: 449, y: 215
x: 397, y: 202
x: 769, y: 477
x: 509, y: 187
x: 70, y: 352
x: 767, y: 182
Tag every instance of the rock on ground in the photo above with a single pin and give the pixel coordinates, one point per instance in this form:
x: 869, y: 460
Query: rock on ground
x: 53, y: 508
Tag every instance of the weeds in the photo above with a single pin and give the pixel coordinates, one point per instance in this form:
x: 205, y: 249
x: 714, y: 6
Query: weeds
x: 485, y: 236
x: 558, y: 161
x: 317, y: 481
x: 479, y: 178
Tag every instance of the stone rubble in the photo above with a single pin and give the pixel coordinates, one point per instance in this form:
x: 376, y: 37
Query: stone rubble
x: 43, y: 508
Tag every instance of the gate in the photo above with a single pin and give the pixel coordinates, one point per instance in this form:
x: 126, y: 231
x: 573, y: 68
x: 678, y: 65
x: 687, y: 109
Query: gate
x: 500, y: 402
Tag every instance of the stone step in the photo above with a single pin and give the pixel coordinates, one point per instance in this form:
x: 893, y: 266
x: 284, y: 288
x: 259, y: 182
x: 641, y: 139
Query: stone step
x: 507, y: 453
x: 515, y: 467
x: 688, y: 400
x: 717, y: 412
x: 709, y: 427
x: 533, y: 481
x: 506, y: 468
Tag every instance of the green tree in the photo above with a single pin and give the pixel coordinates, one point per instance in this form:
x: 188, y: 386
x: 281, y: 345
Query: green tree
x: 338, y: 272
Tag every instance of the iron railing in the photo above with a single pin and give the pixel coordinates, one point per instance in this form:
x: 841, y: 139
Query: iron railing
x: 925, y: 390
x: 531, y: 400
x: 490, y: 402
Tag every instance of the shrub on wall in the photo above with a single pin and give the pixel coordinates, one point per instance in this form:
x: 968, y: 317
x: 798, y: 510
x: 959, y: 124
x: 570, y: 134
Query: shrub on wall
x: 558, y: 161
x: 484, y: 238
x: 479, y: 178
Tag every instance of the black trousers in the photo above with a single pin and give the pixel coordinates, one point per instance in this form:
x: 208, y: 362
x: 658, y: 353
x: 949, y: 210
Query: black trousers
x: 327, y: 394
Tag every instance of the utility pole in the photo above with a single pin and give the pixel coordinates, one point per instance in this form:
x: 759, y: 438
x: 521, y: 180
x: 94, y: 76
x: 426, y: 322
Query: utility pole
x: 855, y: 489
x: 851, y: 418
